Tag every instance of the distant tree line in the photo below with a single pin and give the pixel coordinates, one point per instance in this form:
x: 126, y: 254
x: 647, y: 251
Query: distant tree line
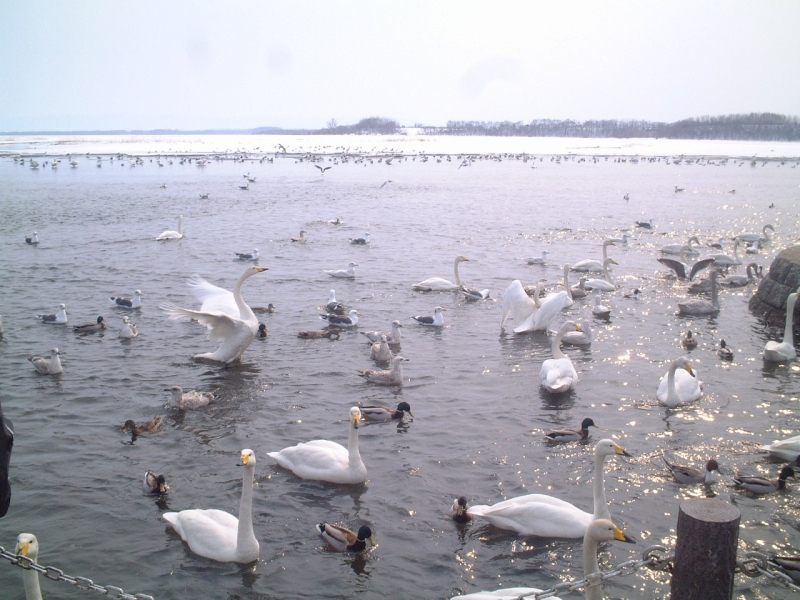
x: 371, y: 125
x: 755, y: 126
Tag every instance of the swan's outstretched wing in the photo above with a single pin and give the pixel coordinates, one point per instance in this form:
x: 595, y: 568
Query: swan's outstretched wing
x: 517, y: 302
x: 214, y: 299
x: 675, y: 265
x: 699, y: 266
x: 220, y: 326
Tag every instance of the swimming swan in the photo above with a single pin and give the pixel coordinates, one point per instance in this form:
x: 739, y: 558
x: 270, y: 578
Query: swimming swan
x: 606, y: 284
x: 593, y: 265
x: 28, y: 545
x: 439, y: 284
x: 547, y: 516
x: 782, y: 351
x: 323, y: 460
x: 216, y: 534
x: 679, y: 385
x: 171, y: 234
x: 558, y: 374
x: 227, y: 316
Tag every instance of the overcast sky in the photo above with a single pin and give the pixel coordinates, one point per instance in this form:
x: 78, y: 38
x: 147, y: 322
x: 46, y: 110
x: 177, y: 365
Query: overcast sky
x: 86, y: 64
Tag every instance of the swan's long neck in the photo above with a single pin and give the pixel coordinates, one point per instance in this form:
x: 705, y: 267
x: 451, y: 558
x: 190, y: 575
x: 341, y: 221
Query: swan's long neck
x: 606, y: 274
x: 736, y: 250
x: 536, y: 300
x: 31, y: 582
x: 606, y: 244
x: 354, y: 456
x: 714, y: 291
x: 600, y: 504
x: 566, y: 282
x: 750, y: 270
x: 556, y: 345
x: 672, y: 393
x: 455, y: 273
x: 788, y: 334
x: 245, y: 537
x: 594, y: 592
x: 244, y: 311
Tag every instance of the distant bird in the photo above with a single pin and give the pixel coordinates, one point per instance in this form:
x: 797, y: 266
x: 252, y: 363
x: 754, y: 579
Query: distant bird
x: 262, y: 331
x: 246, y: 186
x: 362, y: 241
x: 301, y: 237
x: 691, y: 475
x: 393, y: 376
x: 351, y: 320
x: 385, y: 182
x: 154, y: 484
x: 344, y: 540
x: 348, y: 273
x: 571, y: 435
x: 58, y: 318
x: 437, y: 320
x: 204, y: 196
x: 679, y: 189
x: 135, y: 302
x: 688, y: 342
x: 128, y: 330
x: 724, y: 352
x: 98, y: 325
x: 627, y: 196
x: 189, y: 400
x: 635, y: 294
x: 380, y: 351
x: 599, y: 310
x: 322, y: 169
x: 458, y: 512
x: 247, y: 255
x: 645, y: 224
x: 33, y: 239
x: 383, y: 413
x: 315, y: 335
x: 538, y: 260
x: 151, y: 426
x: 171, y: 234
x: 336, y: 221
x: 392, y: 338
x: 45, y: 366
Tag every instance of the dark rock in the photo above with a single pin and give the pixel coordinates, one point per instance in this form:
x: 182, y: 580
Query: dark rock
x: 769, y: 301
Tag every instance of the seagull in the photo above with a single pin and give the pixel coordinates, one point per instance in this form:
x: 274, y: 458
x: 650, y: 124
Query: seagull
x: 351, y: 320
x: 645, y: 224
x: 627, y: 196
x: 34, y: 239
x: 59, y: 317
x: 333, y: 306
x: 301, y: 237
x: 385, y: 182
x: 348, y: 273
x: 679, y: 189
x: 135, y: 302
x: 437, y: 320
x: 322, y: 169
x: 247, y: 255
x: 362, y: 241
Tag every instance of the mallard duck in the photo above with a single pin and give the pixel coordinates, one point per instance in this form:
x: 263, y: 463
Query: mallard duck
x: 380, y: 351
x: 691, y: 475
x: 679, y: 385
x: 268, y: 309
x: 262, y: 331
x: 216, y: 534
x: 724, y: 352
x: 383, y: 413
x: 154, y: 484
x: 393, y: 338
x: 45, y: 366
x: 58, y: 318
x: 437, y: 320
x: 351, y: 320
x: 323, y: 460
x: 688, y: 342
x: 98, y: 325
x: 439, y: 284
x: 571, y: 435
x: 28, y: 545
x: 128, y: 330
x: 135, y: 302
x: 315, y: 335
x: 342, y: 539
x: 189, y: 400
x: 150, y: 426
x: 763, y: 485
x: 458, y: 512
x: 393, y: 376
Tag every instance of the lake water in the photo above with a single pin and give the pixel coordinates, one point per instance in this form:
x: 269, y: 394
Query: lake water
x: 479, y: 412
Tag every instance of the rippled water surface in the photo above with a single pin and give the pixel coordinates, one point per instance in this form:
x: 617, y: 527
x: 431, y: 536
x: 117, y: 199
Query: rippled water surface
x: 479, y: 413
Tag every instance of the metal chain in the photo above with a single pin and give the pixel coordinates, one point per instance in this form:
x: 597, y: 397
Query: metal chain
x: 756, y: 564
x: 82, y: 583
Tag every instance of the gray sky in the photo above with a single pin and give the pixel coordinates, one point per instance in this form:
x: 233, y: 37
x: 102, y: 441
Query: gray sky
x: 95, y: 64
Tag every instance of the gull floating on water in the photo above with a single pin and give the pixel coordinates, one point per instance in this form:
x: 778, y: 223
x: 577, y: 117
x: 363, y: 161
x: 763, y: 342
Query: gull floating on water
x: 45, y: 366
x: 33, y: 239
x: 362, y: 241
x: 135, y: 302
x: 247, y: 255
x: 128, y: 330
x: 348, y: 273
x: 393, y: 376
x: 392, y: 338
x: 351, y: 320
x: 437, y: 320
x: 188, y: 400
x: 58, y: 318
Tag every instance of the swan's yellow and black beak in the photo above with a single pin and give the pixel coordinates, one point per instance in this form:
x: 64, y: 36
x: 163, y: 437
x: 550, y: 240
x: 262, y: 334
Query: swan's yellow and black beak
x: 689, y: 370
x: 260, y: 269
x: 578, y: 327
x: 620, y: 450
x: 245, y: 460
x: 23, y: 548
x: 355, y: 419
x: 620, y: 535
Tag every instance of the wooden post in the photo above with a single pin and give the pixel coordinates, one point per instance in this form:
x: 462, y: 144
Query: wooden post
x: 705, y: 553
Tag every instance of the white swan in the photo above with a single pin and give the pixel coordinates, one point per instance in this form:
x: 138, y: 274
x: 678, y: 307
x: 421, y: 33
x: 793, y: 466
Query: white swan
x: 788, y: 449
x: 438, y: 284
x: 47, y: 367
x: 679, y: 385
x: 783, y: 351
x: 171, y: 234
x: 216, y: 534
x: 584, y: 337
x: 547, y: 309
x: 698, y: 306
x: 594, y: 265
x: 682, y: 269
x: 606, y: 284
x: 227, y: 316
x: 558, y: 374
x: 741, y: 280
x: 725, y: 260
x: 757, y: 237
x: 680, y: 248
x: 602, y: 530
x: 567, y: 288
x: 28, y: 545
x: 323, y: 460
x: 517, y: 303
x: 547, y: 516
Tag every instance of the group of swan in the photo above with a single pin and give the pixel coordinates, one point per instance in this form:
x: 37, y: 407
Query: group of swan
x: 229, y: 319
